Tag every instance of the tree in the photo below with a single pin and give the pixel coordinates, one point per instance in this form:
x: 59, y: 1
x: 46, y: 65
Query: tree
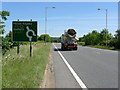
x: 55, y: 39
x: 3, y: 15
x: 9, y: 36
x: 103, y: 34
x: 92, y: 38
x: 118, y: 33
x: 96, y: 38
x: 42, y: 38
x: 5, y: 41
x: 2, y: 30
x: 94, y: 32
x: 103, y: 38
x: 118, y: 38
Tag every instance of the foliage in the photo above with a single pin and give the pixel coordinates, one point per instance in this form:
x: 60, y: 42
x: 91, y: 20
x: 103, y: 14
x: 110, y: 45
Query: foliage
x: 56, y: 39
x: 2, y: 30
x: 43, y: 36
x: 81, y: 43
x: 6, y: 43
x: 96, y: 38
x: 117, y: 38
x: 4, y: 15
x: 92, y: 38
x: 7, y: 40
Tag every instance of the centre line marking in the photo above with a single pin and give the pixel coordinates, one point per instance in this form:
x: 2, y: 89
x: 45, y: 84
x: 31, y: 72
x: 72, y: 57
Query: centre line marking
x: 82, y: 85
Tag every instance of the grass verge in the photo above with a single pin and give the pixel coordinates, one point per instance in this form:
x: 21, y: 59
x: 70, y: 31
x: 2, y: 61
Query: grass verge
x: 22, y: 71
x: 103, y: 47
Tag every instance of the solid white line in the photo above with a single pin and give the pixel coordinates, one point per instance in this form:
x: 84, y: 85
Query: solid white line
x: 82, y: 85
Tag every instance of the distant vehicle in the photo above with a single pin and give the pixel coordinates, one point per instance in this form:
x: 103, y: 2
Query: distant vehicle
x: 69, y: 40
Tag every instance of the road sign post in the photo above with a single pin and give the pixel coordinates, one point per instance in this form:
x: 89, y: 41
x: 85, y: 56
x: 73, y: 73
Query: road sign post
x: 18, y: 46
x: 31, y: 47
x: 24, y: 31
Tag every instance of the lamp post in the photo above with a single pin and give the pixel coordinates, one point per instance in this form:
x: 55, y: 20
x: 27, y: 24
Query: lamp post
x: 106, y: 23
x: 46, y: 22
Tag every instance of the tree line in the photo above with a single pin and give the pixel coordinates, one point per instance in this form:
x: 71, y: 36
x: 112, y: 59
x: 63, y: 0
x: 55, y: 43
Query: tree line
x: 101, y: 38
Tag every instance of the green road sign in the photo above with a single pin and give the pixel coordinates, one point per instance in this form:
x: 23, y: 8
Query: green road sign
x: 24, y: 31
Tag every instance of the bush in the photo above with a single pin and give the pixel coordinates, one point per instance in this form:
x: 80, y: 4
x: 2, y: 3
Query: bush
x: 81, y: 43
x: 5, y: 45
x: 102, y: 43
x: 42, y: 38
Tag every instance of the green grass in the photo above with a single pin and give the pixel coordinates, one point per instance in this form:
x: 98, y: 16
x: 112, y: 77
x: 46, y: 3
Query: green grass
x: 102, y: 47
x: 40, y: 41
x: 22, y: 71
x: 98, y: 46
x: 28, y: 43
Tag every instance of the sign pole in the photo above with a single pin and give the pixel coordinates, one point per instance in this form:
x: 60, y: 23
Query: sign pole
x: 31, y: 47
x: 18, y: 46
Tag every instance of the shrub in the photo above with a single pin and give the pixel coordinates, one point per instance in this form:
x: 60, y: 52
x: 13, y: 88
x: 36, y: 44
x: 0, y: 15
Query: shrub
x: 81, y: 43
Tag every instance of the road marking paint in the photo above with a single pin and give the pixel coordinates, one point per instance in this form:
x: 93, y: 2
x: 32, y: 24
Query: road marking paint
x: 83, y: 86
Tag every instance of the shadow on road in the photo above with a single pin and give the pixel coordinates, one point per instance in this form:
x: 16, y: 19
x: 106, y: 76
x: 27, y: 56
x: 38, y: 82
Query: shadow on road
x: 59, y: 49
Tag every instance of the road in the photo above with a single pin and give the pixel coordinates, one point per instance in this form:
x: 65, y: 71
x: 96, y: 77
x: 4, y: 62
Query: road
x: 96, y: 68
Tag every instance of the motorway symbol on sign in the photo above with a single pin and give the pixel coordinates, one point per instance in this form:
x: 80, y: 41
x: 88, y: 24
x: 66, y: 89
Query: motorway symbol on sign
x: 24, y: 31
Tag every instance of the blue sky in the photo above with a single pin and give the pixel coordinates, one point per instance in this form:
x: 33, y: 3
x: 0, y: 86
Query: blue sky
x: 81, y: 16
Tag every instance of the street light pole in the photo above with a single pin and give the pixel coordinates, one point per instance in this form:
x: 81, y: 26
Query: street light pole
x: 46, y: 22
x: 106, y: 23
x: 106, y: 27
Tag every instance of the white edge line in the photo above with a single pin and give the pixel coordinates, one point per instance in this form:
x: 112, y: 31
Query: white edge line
x: 83, y: 86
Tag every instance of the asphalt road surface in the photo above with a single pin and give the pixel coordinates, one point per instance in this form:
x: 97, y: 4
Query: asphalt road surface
x: 86, y: 67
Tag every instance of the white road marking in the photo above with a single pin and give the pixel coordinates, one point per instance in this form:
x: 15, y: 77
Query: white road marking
x: 82, y: 85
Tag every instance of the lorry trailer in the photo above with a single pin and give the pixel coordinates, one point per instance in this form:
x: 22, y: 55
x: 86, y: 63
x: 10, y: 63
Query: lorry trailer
x: 69, y: 40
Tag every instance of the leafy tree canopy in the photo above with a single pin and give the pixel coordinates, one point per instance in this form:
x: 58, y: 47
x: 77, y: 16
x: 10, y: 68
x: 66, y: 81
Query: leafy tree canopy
x: 43, y: 36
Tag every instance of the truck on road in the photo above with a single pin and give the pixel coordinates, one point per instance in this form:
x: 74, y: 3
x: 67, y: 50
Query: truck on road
x: 69, y: 40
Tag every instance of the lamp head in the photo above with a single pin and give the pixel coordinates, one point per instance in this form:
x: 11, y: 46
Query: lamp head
x: 53, y: 7
x: 99, y: 9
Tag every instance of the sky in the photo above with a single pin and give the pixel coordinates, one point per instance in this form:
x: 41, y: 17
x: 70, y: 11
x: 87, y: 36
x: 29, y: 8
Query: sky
x: 60, y: 0
x: 81, y: 16
x: 119, y: 15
